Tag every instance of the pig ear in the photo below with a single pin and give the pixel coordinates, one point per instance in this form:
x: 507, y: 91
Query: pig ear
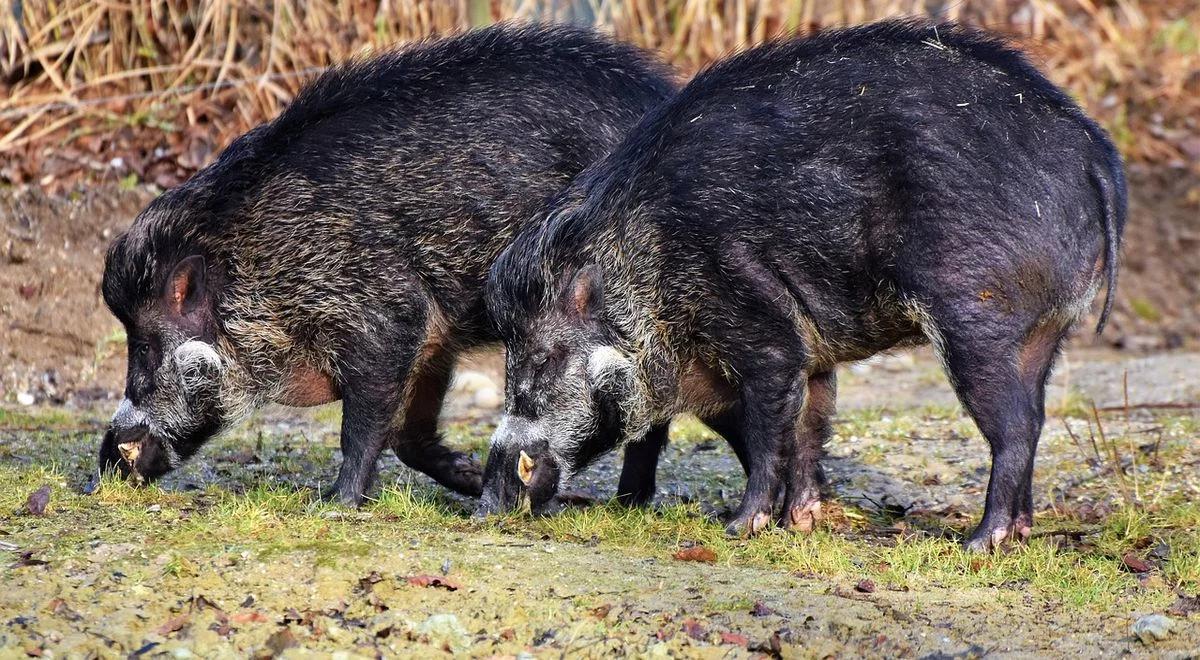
x: 186, y: 287
x: 587, y: 292
x: 525, y: 467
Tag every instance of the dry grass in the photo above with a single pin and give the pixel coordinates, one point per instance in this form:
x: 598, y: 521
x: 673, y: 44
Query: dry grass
x: 221, y: 66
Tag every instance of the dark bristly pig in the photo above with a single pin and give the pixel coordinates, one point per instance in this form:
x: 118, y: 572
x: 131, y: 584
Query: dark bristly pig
x: 799, y: 205
x: 340, y: 250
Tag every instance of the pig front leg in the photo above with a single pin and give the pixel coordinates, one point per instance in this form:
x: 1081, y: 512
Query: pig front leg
x: 638, y: 482
x: 372, y: 387
x: 638, y: 474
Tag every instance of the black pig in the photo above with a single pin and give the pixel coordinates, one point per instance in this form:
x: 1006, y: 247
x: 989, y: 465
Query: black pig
x: 799, y: 205
x: 340, y: 250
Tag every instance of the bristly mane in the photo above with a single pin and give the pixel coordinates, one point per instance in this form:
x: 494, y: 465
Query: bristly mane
x: 175, y: 223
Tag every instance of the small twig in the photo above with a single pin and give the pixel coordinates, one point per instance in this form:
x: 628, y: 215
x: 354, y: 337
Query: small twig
x: 1078, y: 443
x: 1170, y: 405
x: 1137, y: 490
x: 1111, y: 448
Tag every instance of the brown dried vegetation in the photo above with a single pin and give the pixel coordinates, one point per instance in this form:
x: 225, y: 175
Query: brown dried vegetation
x: 160, y: 85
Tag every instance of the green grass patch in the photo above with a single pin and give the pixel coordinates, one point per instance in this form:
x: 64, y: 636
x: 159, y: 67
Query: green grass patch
x: 183, y: 533
x: 42, y: 419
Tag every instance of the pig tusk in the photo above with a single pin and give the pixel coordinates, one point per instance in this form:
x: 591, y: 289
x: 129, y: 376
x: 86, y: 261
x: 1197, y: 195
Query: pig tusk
x: 525, y: 466
x: 130, y: 451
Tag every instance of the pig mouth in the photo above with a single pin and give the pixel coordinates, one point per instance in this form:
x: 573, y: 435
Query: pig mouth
x: 120, y: 451
x: 130, y: 452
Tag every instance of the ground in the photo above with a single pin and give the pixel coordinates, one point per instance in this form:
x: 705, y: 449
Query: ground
x: 233, y: 556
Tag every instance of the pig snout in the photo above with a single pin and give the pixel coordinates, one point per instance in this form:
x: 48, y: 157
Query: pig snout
x: 520, y: 470
x: 120, y: 451
x: 128, y: 448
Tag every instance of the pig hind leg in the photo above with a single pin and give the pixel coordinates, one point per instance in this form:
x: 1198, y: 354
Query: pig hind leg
x: 637, y: 484
x: 999, y: 367
x: 417, y: 442
x: 1035, y: 360
x: 804, y: 478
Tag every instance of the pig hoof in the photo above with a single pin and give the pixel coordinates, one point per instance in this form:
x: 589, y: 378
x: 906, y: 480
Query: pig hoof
x: 998, y: 538
x: 748, y: 525
x: 463, y: 475
x: 337, y: 495
x: 1023, y: 527
x: 983, y: 541
x: 803, y: 518
x: 635, y: 500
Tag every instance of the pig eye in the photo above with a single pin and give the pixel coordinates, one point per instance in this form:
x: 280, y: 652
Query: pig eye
x: 142, y: 353
x: 549, y: 362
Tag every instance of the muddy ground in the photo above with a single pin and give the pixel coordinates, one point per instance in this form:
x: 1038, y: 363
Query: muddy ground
x: 232, y: 556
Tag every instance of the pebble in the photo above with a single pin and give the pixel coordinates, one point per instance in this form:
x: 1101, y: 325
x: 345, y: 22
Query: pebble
x: 1153, y: 628
x: 488, y: 397
x: 446, y: 629
x: 25, y: 398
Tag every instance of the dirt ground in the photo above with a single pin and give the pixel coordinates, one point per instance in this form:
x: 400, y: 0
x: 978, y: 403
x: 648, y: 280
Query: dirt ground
x: 59, y: 344
x: 232, y: 556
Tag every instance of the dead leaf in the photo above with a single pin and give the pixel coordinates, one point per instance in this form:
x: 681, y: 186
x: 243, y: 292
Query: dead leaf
x: 760, y: 610
x: 365, y: 584
x: 26, y: 558
x: 37, y: 501
x: 245, y: 457
x: 281, y: 641
x: 694, y: 630
x: 250, y: 616
x: 602, y: 611
x: 772, y: 646
x: 735, y: 639
x: 201, y: 602
x: 59, y: 607
x: 865, y: 586
x: 440, y: 581
x: 1136, y: 564
x: 696, y: 553
x: 172, y: 625
x: 1185, y: 605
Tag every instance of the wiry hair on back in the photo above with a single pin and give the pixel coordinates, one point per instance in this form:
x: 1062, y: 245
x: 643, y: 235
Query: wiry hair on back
x: 386, y: 88
x: 610, y: 196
